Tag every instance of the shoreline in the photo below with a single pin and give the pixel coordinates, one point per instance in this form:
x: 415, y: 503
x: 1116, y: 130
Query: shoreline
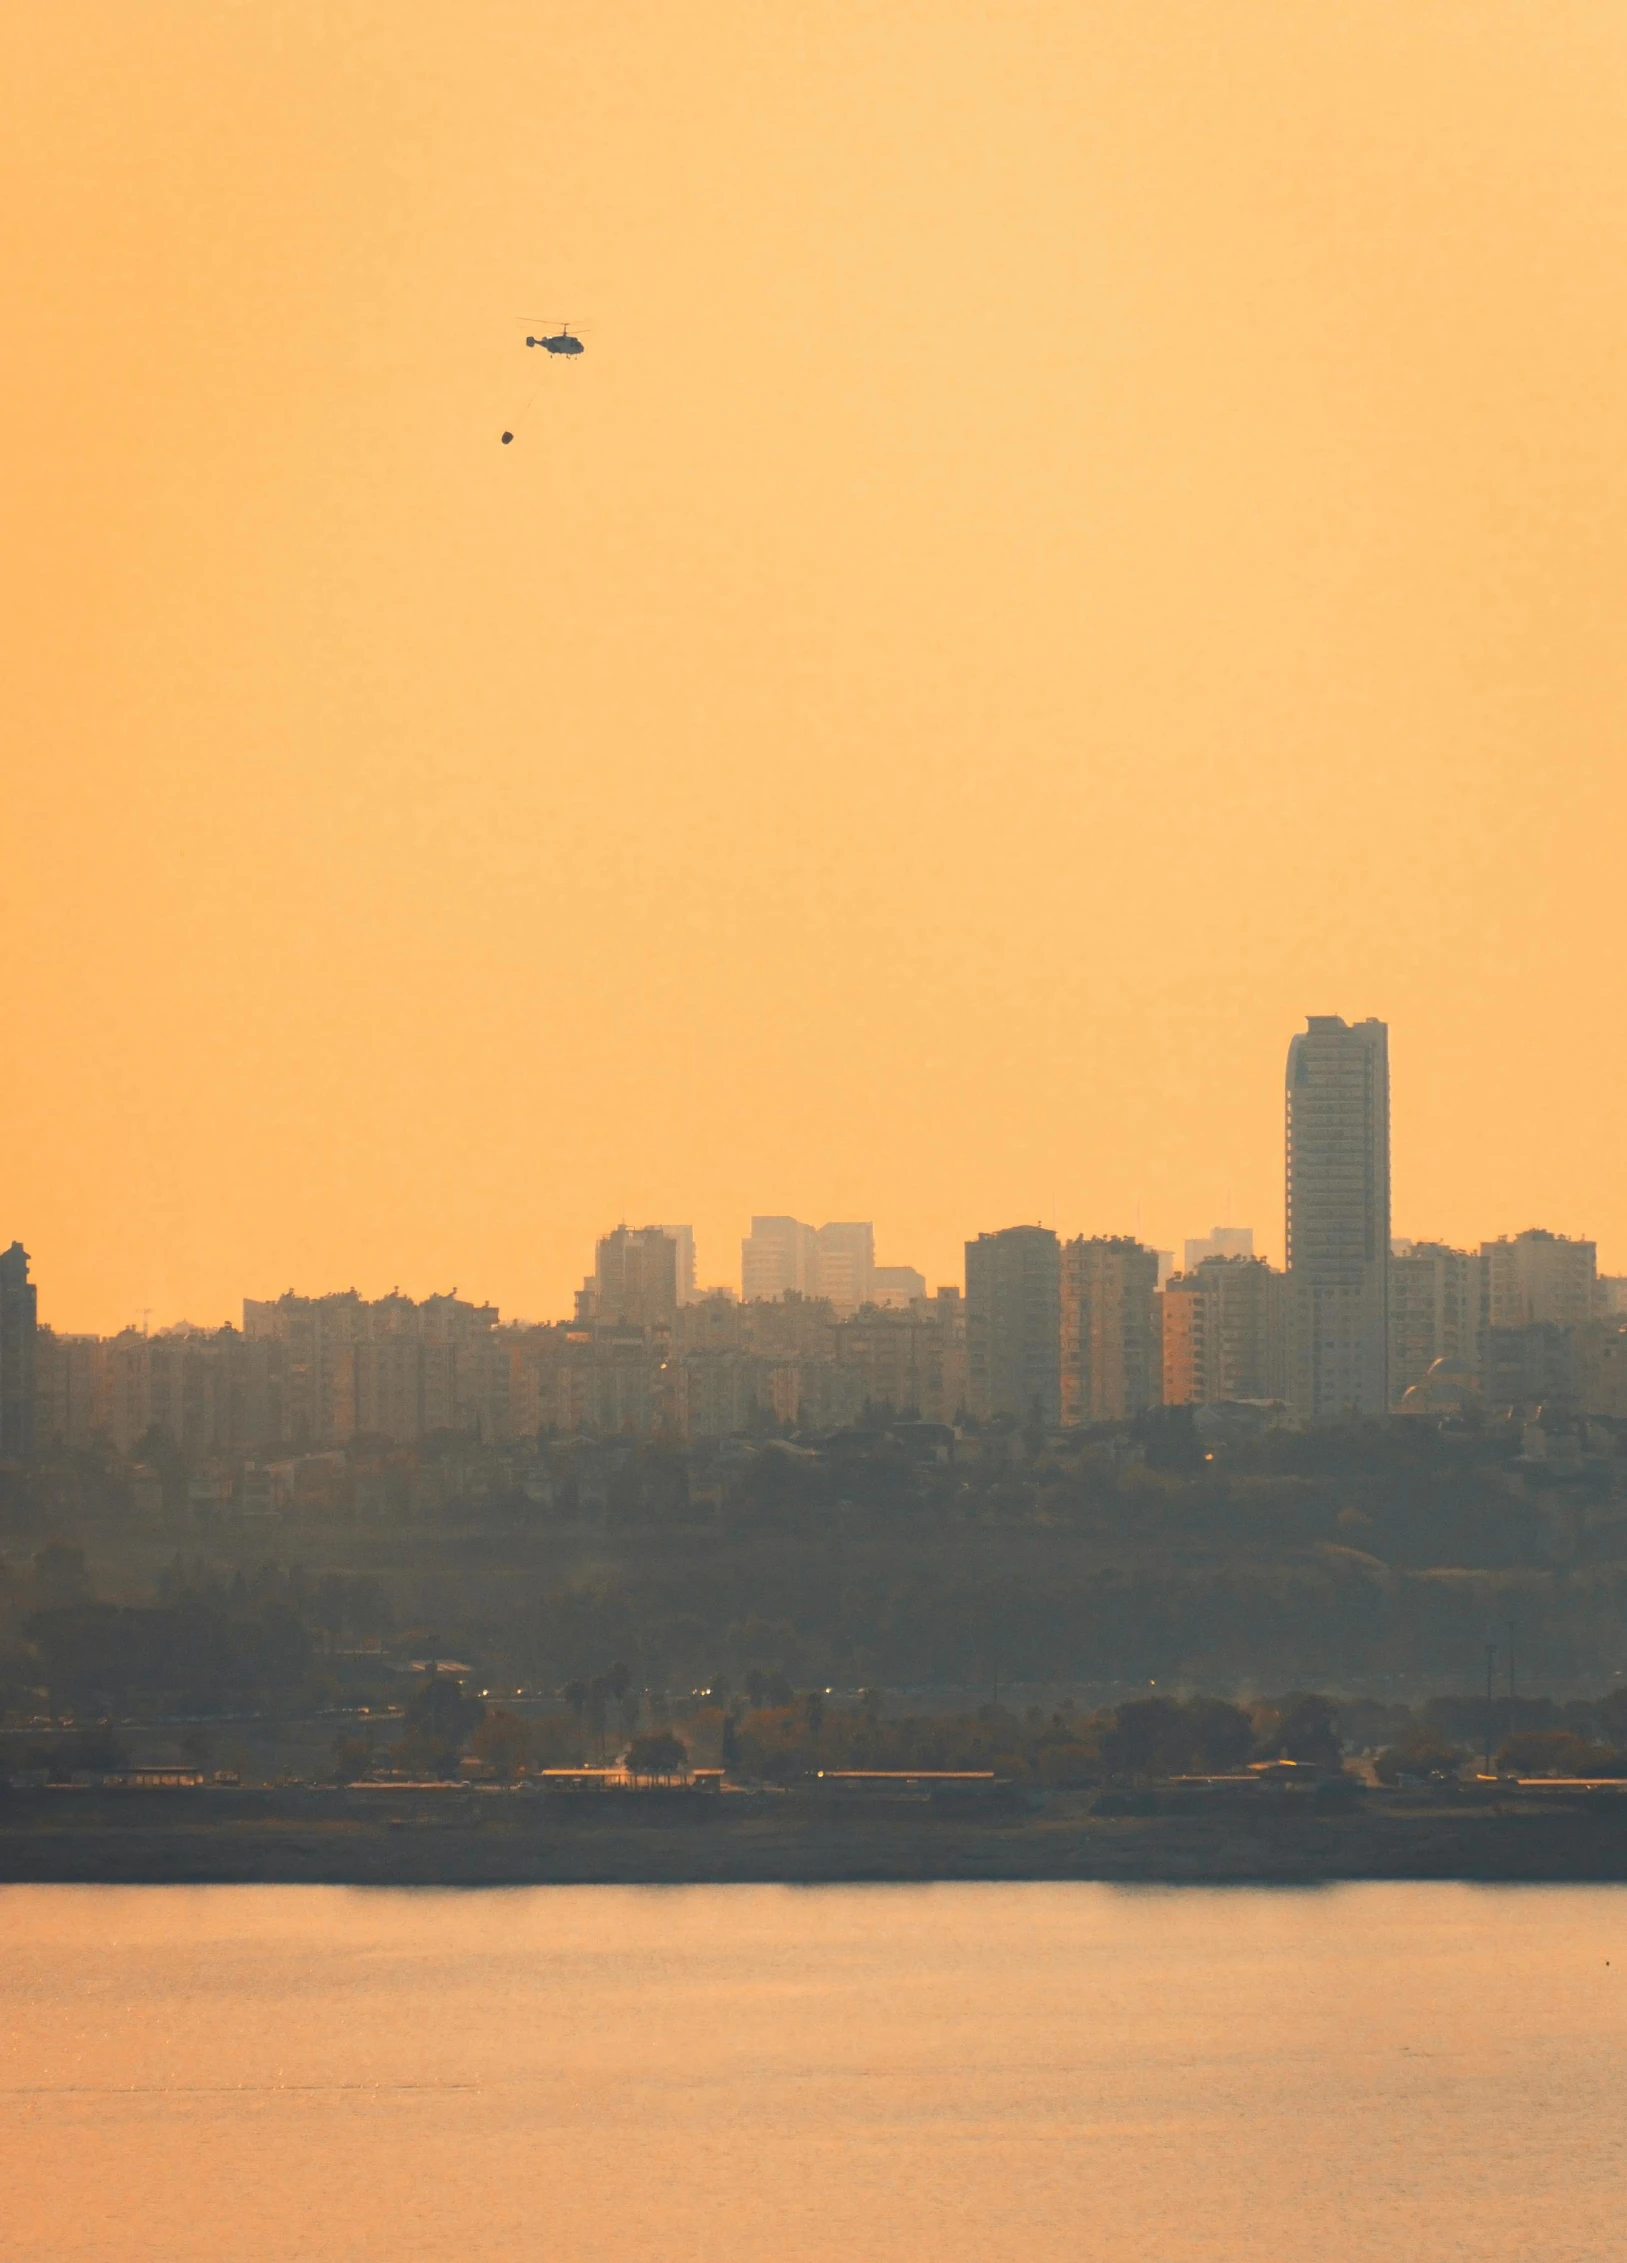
x: 44, y: 1840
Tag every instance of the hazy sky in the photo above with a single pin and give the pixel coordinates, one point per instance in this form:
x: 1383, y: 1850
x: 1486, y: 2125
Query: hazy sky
x: 1083, y: 534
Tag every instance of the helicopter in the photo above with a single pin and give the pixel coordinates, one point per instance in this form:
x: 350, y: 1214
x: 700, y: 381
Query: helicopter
x: 563, y: 341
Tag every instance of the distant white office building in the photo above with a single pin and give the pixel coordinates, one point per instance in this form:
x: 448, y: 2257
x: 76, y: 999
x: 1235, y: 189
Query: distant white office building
x: 836, y: 1261
x: 775, y: 1258
x: 845, y: 1264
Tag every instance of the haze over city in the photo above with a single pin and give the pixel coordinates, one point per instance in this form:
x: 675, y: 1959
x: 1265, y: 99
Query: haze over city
x: 812, y: 829
x: 1071, y: 546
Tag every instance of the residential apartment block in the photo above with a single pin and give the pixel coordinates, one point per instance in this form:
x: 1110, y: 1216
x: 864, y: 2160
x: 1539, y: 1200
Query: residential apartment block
x: 1435, y: 1312
x: 1223, y: 1335
x: 19, y: 1321
x: 1014, y: 1325
x: 1111, y: 1357
x: 1538, y: 1277
x: 634, y: 1283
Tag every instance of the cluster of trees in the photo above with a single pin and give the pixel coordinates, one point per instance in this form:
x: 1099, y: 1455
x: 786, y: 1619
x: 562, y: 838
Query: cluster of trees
x: 592, y: 1700
x: 1533, y: 1736
x: 209, y: 1642
x: 1347, y: 1554
x: 444, y: 1726
x: 96, y: 1749
x: 856, y: 1605
x: 198, y: 1654
x: 1353, y: 1556
x: 1148, y: 1738
x: 1155, y: 1738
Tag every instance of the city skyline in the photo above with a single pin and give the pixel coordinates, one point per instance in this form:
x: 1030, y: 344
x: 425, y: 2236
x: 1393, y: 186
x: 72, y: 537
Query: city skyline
x: 1263, y: 1235
x: 817, y: 820
x: 1097, y: 1328
x: 401, y: 1282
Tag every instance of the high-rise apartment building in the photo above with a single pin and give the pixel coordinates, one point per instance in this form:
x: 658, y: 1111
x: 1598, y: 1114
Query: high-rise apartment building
x: 67, y: 1394
x: 1338, y: 1187
x: 18, y: 1324
x: 1537, y: 1278
x: 348, y: 1367
x: 1223, y: 1332
x: 1539, y: 1298
x: 635, y: 1278
x: 1110, y: 1351
x: 684, y: 1236
x: 319, y: 1334
x: 912, y: 1360
x: 1434, y: 1311
x: 1014, y: 1324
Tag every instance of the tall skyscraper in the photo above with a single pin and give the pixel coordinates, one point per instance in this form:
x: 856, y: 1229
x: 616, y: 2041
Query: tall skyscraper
x: 1111, y: 1358
x: 18, y: 1321
x: 1014, y: 1324
x: 1338, y: 1139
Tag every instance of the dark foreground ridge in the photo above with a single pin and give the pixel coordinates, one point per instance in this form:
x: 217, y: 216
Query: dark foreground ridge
x: 298, y: 1839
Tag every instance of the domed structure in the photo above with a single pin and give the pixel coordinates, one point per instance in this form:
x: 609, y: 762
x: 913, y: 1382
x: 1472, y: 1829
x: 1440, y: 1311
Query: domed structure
x: 1448, y: 1388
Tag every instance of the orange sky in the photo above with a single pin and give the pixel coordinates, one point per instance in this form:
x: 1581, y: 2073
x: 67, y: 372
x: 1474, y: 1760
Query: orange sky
x: 1083, y: 534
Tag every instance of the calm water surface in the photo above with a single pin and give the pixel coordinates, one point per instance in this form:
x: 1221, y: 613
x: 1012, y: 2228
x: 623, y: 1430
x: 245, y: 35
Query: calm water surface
x: 939, y: 2073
